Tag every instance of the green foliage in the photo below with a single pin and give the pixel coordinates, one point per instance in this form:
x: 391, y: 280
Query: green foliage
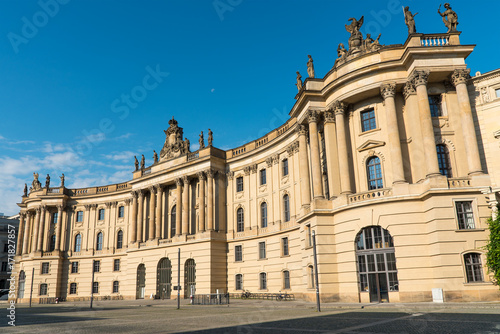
x: 493, y: 249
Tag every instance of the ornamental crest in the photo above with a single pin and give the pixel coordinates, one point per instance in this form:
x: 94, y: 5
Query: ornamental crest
x: 174, y: 145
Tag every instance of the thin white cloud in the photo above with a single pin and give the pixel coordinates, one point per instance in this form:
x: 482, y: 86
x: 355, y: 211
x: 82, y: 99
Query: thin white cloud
x: 121, y: 156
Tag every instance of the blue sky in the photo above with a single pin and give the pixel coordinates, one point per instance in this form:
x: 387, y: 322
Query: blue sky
x: 73, y: 75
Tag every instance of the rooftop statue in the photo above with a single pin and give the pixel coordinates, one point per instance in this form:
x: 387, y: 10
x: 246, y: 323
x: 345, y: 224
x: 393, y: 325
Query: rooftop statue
x: 143, y: 162
x: 299, y: 81
x: 341, y: 51
x: 186, y: 145
x: 210, y: 137
x: 201, y: 141
x: 155, y: 157
x: 62, y: 180
x: 136, y: 162
x: 310, y: 67
x: 25, y: 191
x: 174, y: 146
x: 47, y: 181
x: 356, y: 36
x: 410, y: 20
x: 36, y: 185
x: 450, y: 18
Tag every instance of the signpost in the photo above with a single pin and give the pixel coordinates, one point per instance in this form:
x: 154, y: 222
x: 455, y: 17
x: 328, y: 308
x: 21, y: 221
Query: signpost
x: 179, y: 280
x: 316, y: 271
x: 92, y: 286
x: 32, y: 279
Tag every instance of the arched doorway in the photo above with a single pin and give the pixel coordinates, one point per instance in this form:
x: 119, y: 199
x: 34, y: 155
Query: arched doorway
x: 189, y: 278
x: 141, y: 281
x: 164, y: 279
x: 377, y: 273
x: 22, y: 282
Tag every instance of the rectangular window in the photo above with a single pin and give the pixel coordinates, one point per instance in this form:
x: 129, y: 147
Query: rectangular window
x: 55, y: 216
x: 101, y: 214
x: 74, y: 267
x: 286, y: 279
x: 311, y: 277
x: 239, y: 184
x: 116, y: 286
x: 79, y: 216
x: 121, y: 212
x: 45, y: 267
x: 263, y: 281
x: 262, y: 250
x: 473, y: 267
x: 497, y: 92
x: 309, y: 241
x: 435, y: 105
x: 284, y: 247
x: 43, y: 289
x: 368, y: 120
x: 97, y: 266
x: 238, y: 282
x: 285, y: 167
x: 72, y: 289
x: 263, y: 178
x: 116, y: 265
x: 238, y: 253
x: 95, y: 287
x: 465, y: 215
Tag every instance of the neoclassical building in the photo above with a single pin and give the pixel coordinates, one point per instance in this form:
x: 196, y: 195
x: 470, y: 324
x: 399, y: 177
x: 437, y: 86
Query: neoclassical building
x: 391, y: 159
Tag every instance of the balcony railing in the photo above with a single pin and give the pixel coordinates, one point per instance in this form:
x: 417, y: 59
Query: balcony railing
x: 372, y: 194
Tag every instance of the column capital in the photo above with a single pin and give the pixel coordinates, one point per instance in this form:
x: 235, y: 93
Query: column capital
x: 128, y: 201
x: 301, y: 130
x: 253, y: 168
x: 201, y: 176
x: 388, y: 90
x: 460, y: 76
x: 269, y: 161
x: 38, y: 210
x: 409, y: 89
x: 159, y: 188
x: 329, y: 116
x: 312, y: 116
x: 247, y: 170
x: 152, y: 189
x: 293, y: 148
x: 22, y: 215
x: 275, y: 159
x: 87, y: 207
x: 230, y: 175
x: 210, y: 173
x: 44, y: 208
x: 141, y: 194
x: 420, y: 77
x: 178, y: 181
x: 60, y: 207
x: 339, y: 107
x: 134, y: 194
x: 186, y: 180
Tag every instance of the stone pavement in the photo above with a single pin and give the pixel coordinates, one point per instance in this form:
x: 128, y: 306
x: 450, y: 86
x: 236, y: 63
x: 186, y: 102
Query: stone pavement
x: 253, y: 316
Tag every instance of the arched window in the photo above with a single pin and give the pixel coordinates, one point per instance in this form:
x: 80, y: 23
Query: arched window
x: 473, y: 267
x: 310, y: 274
x: 286, y: 208
x: 173, y: 220
x: 119, y: 239
x: 374, y: 173
x: 376, y: 263
x: 99, y: 241
x: 285, y: 167
x: 263, y: 214
x: 263, y: 281
x: 286, y: 279
x: 443, y: 160
x: 78, y: 242
x: 52, y: 245
x: 238, y: 282
x: 240, y: 220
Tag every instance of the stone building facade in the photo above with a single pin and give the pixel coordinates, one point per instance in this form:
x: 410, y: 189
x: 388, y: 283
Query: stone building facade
x: 391, y: 159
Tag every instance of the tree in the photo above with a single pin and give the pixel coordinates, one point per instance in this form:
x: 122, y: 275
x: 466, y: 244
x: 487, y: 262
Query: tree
x: 493, y: 249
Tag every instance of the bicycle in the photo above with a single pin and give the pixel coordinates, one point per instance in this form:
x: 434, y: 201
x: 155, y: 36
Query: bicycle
x: 282, y: 296
x: 246, y: 294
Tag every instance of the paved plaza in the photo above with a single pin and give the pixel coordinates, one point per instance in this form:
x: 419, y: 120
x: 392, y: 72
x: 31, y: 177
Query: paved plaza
x: 149, y: 316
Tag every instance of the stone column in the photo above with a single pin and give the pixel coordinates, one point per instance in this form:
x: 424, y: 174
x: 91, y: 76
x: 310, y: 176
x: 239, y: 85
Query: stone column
x: 332, y: 155
x: 20, y: 234
x: 210, y: 199
x: 64, y: 228
x: 34, y: 243
x: 305, y: 182
x: 45, y: 223
x: 140, y: 217
x: 159, y: 220
x: 133, y: 225
x: 317, y: 177
x: 27, y: 231
x: 419, y: 79
x: 178, y: 208
x: 201, y: 202
x: 459, y: 79
x: 185, y: 205
x: 152, y: 209
x: 58, y: 226
x: 345, y: 174
x: 388, y: 92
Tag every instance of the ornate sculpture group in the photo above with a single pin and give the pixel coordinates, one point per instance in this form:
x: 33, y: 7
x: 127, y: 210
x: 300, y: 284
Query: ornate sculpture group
x: 37, y: 185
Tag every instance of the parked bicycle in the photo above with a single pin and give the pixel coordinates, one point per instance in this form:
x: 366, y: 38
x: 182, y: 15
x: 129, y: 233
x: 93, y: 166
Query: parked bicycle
x: 246, y: 294
x: 282, y: 296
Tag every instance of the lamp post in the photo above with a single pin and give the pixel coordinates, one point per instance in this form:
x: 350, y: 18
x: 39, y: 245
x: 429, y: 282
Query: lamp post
x: 316, y: 271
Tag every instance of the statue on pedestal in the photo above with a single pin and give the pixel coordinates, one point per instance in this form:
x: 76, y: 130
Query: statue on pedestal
x: 136, y: 163
x: 174, y: 146
x: 410, y: 21
x: 201, y: 141
x: 186, y: 145
x: 299, y: 81
x: 356, y: 36
x: 450, y: 18
x: 143, y: 162
x: 25, y: 191
x: 341, y: 51
x: 47, y: 181
x: 155, y: 157
x: 310, y: 67
x: 62, y: 180
x: 210, y: 137
x: 36, y: 185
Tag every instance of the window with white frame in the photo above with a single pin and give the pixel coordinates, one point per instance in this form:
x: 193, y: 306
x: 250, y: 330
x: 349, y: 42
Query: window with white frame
x: 74, y: 267
x: 116, y: 265
x: 374, y: 173
x: 473, y: 267
x: 72, y: 289
x: 43, y: 289
x: 95, y: 287
x: 45, y: 267
x: 465, y: 215
x: 368, y: 120
x: 262, y: 250
x: 116, y: 286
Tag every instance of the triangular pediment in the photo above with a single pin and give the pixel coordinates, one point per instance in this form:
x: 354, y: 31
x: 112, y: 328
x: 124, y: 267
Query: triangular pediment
x: 369, y: 144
